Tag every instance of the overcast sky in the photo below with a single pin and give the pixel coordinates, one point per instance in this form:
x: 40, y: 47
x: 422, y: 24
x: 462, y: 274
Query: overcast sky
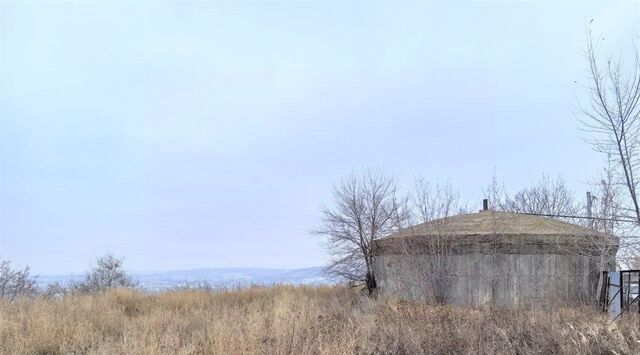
x: 184, y: 135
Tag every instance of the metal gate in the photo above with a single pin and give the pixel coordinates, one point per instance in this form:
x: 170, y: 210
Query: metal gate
x: 620, y: 291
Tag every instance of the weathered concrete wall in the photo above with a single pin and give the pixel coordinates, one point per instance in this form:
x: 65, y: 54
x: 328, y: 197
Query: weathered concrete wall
x: 493, y: 258
x: 490, y: 279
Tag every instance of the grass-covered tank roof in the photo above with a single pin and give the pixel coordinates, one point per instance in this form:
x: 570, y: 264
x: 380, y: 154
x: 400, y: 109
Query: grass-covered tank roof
x: 495, y: 223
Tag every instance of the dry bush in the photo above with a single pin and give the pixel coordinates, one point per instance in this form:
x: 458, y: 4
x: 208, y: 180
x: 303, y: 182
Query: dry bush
x: 296, y: 320
x: 106, y: 273
x: 15, y: 282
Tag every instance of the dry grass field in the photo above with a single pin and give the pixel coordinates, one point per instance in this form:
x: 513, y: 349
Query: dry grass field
x: 297, y: 320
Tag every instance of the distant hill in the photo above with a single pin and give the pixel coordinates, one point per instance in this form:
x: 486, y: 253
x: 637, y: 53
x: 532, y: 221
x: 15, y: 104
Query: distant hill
x: 216, y: 277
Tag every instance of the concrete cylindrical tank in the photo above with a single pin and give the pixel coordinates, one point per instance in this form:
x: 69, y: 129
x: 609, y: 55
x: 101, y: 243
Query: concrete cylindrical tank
x: 494, y: 259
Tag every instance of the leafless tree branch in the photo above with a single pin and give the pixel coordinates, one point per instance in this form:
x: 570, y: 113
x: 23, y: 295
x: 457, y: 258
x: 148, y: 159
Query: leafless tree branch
x: 367, y: 206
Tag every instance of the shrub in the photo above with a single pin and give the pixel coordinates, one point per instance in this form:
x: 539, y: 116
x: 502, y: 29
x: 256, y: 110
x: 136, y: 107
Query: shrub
x: 107, y: 273
x: 15, y: 282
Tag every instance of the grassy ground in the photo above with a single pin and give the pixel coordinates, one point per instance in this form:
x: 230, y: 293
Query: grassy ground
x: 297, y: 320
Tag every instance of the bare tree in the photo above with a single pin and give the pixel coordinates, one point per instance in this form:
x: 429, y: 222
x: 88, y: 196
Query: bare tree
x: 108, y: 272
x: 546, y: 196
x: 552, y: 198
x: 432, y: 204
x: 15, y: 282
x: 606, y: 213
x: 607, y: 209
x: 367, y: 206
x: 611, y: 115
x: 610, y: 216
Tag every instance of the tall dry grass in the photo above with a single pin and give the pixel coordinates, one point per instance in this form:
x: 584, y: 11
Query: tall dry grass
x: 297, y: 320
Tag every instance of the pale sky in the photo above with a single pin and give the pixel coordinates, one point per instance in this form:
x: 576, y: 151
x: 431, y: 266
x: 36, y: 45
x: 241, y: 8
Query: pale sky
x: 194, y: 134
